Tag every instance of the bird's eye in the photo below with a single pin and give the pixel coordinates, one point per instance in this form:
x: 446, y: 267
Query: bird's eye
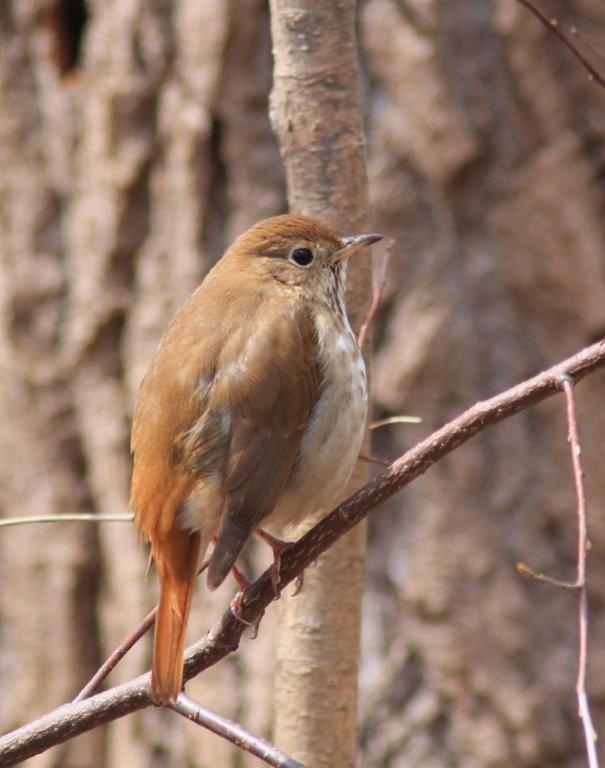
x: 301, y: 256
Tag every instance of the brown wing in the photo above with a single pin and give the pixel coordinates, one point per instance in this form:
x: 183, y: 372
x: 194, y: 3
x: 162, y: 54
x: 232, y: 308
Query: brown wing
x: 172, y: 397
x: 270, y: 383
x: 172, y: 401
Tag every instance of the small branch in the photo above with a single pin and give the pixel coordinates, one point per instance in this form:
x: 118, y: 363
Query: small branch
x: 233, y: 732
x: 129, y: 641
x: 376, y: 298
x: 374, y: 460
x: 67, y: 518
x: 224, y: 637
x: 395, y: 420
x: 553, y: 26
x: 586, y: 43
x: 111, y: 662
x: 526, y: 570
x: 579, y: 584
x: 576, y: 451
x: 590, y: 735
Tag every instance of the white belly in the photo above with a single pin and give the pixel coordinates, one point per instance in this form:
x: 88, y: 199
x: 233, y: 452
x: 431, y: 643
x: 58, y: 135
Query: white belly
x: 331, y: 444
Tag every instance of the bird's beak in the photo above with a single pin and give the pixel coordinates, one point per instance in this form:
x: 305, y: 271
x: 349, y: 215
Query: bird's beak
x: 352, y: 244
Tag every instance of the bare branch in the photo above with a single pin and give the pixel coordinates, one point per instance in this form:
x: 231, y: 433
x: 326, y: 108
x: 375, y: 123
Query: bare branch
x: 553, y: 26
x: 233, y: 732
x: 376, y: 298
x: 95, y: 681
x: 579, y: 584
x: 374, y: 460
x: 85, y: 517
x: 586, y: 43
x: 127, y: 643
x: 590, y: 735
x: 526, y: 570
x: 395, y: 420
x: 224, y: 637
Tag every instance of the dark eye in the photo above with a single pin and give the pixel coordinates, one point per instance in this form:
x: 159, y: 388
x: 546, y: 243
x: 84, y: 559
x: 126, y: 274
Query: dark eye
x: 301, y: 256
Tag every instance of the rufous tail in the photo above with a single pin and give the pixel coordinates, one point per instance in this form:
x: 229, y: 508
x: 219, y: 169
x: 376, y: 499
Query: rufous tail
x: 176, y: 558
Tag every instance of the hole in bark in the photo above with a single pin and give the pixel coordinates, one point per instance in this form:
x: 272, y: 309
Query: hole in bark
x: 67, y: 23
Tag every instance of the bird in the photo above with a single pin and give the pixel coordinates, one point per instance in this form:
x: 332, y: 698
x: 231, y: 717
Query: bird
x: 253, y: 410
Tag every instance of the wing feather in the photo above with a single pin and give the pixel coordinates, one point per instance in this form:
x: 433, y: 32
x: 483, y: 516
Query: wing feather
x: 270, y: 399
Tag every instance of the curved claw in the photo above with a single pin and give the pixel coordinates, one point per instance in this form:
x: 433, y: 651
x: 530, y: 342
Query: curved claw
x: 298, y: 584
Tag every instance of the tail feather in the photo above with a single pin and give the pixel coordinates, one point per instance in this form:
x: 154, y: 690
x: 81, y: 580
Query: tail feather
x: 177, y: 563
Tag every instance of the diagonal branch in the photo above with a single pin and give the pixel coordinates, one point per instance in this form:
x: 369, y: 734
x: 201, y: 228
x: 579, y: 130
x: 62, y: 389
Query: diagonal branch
x: 553, y: 26
x: 111, y: 662
x: 233, y: 732
x: 224, y: 637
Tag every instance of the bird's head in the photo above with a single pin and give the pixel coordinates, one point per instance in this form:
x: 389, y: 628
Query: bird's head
x: 295, y: 251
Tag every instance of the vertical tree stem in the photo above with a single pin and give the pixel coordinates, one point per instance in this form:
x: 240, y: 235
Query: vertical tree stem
x: 315, y: 110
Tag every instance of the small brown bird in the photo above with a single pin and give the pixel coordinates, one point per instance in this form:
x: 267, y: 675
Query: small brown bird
x: 253, y: 410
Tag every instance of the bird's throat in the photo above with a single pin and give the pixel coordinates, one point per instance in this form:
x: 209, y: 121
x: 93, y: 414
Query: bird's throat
x: 337, y: 287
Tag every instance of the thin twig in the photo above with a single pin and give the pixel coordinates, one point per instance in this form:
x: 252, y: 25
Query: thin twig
x: 590, y: 735
x: 553, y: 26
x: 85, y: 517
x: 579, y: 584
x: 129, y: 641
x: 374, y: 460
x: 233, y: 732
x: 376, y: 298
x: 73, y: 719
x: 526, y: 570
x: 576, y: 452
x: 118, y: 654
x: 395, y: 420
x: 575, y: 32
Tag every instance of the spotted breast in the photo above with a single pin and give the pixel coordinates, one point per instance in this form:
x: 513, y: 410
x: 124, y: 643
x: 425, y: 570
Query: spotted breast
x: 332, y: 441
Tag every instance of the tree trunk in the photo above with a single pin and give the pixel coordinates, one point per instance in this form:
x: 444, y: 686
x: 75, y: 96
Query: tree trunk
x: 316, y: 113
x: 134, y: 145
x: 122, y: 181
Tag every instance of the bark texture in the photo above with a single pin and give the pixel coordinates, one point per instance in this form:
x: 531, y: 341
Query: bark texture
x: 134, y: 144
x: 316, y: 114
x: 486, y: 170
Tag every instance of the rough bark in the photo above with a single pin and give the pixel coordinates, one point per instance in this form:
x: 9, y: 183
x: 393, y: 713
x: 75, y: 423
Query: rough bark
x: 316, y: 113
x: 484, y: 167
x: 122, y: 180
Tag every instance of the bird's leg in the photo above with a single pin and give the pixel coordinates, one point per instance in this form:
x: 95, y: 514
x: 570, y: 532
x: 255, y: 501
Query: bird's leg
x: 278, y: 547
x: 243, y: 582
x: 237, y: 603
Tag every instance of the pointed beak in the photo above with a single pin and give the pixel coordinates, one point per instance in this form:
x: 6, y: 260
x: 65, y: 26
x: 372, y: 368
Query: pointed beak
x: 352, y: 244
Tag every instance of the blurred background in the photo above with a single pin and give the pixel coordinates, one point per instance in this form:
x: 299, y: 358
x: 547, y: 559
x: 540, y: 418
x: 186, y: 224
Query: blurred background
x: 135, y: 144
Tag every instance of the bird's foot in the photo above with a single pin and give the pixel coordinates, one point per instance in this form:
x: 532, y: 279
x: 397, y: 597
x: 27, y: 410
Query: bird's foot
x: 278, y: 547
x: 243, y: 582
x: 236, y: 606
x: 298, y: 584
